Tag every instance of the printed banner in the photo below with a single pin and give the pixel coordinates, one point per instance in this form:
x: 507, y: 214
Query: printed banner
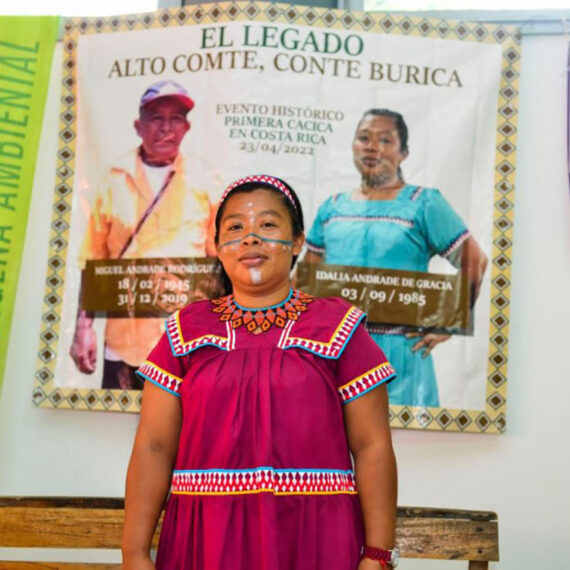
x: 26, y: 49
x: 433, y: 301
x: 294, y: 92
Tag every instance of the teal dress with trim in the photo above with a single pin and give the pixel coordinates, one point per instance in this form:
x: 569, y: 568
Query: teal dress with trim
x: 403, y: 233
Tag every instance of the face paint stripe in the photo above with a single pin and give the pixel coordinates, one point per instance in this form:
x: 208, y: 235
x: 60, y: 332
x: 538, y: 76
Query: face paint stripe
x: 266, y: 240
x: 255, y: 275
x: 231, y: 242
x: 282, y: 241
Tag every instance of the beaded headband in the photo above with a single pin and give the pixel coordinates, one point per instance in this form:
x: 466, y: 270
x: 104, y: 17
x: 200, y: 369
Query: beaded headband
x: 263, y: 180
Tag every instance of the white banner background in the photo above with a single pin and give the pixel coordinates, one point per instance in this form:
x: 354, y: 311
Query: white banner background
x: 452, y: 138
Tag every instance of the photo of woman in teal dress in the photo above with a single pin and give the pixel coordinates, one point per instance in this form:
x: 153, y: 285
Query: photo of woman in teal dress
x: 388, y: 223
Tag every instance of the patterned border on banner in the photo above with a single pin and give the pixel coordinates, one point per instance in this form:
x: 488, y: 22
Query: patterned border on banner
x: 490, y: 420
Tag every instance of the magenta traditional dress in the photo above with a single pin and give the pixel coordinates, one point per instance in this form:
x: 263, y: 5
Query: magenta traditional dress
x: 263, y: 478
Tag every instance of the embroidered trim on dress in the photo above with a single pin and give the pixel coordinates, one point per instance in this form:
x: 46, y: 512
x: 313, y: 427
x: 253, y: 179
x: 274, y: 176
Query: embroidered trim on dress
x: 328, y: 349
x: 181, y: 347
x: 163, y: 379
x: 230, y: 312
x: 415, y: 194
x: 373, y: 328
x: 314, y: 248
x: 393, y: 219
x: 369, y: 380
x: 455, y: 243
x: 263, y: 480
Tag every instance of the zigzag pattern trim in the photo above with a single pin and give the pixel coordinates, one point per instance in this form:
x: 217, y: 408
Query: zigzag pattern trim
x: 455, y: 243
x: 371, y: 379
x: 150, y: 371
x: 315, y: 248
x: 387, y: 329
x: 263, y: 480
x: 416, y: 193
x: 334, y: 347
x: 393, y: 219
x: 181, y: 347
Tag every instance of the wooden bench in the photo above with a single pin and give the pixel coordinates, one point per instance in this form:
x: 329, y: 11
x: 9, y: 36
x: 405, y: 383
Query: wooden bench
x: 97, y: 523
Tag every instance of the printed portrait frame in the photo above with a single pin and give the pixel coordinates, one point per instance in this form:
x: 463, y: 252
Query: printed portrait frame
x: 491, y: 419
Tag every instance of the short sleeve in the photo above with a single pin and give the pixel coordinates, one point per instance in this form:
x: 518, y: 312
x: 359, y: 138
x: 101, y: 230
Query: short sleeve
x: 362, y: 367
x: 444, y: 228
x: 163, y: 368
x: 316, y: 237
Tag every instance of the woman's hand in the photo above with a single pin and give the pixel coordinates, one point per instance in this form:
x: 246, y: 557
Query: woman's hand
x: 83, y: 349
x: 368, y: 564
x: 428, y: 342
x: 149, y: 474
x: 139, y: 562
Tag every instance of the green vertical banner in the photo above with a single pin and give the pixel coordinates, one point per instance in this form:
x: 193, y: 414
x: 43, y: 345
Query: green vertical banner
x: 26, y: 50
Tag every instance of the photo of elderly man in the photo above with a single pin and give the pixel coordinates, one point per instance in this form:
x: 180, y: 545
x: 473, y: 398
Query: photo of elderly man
x: 145, y: 208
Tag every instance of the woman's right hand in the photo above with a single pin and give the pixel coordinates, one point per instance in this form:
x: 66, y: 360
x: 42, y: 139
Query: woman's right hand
x: 137, y: 563
x: 428, y: 341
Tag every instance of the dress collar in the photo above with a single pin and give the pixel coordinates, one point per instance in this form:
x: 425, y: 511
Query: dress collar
x: 258, y: 320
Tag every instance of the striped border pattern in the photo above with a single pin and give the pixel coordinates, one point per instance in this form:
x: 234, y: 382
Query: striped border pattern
x: 263, y: 480
x: 181, y: 347
x: 150, y: 371
x: 364, y: 383
x: 331, y: 349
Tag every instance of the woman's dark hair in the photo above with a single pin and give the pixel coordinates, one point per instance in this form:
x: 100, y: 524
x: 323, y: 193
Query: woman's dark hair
x: 400, y: 125
x: 295, y: 214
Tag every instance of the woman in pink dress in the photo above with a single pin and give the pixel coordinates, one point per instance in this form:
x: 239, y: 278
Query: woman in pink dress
x: 252, y: 406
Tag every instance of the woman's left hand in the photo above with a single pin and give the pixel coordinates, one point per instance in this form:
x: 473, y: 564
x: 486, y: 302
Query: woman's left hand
x: 428, y: 342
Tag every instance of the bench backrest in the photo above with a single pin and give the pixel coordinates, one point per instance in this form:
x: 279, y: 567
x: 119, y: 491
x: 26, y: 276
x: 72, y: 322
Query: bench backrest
x: 97, y: 523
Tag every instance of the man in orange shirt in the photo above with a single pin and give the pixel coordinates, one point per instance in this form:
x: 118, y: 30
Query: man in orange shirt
x: 145, y: 209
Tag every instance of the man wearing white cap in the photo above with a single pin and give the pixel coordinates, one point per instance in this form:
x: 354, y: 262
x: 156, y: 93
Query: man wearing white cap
x: 145, y: 209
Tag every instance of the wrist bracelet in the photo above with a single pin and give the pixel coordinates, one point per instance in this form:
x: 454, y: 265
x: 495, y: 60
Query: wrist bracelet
x: 381, y: 555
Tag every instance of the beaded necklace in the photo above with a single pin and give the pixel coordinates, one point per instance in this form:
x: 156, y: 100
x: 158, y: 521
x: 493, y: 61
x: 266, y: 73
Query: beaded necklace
x: 261, y: 320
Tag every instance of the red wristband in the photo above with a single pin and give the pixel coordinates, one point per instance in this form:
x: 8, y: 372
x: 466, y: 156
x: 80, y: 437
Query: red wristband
x: 378, y: 554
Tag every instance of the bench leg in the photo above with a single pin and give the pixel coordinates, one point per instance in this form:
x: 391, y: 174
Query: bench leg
x: 478, y: 565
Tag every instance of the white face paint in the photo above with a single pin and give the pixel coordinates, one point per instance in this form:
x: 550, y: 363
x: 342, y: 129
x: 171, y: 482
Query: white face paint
x: 250, y: 212
x: 276, y: 245
x: 255, y: 275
